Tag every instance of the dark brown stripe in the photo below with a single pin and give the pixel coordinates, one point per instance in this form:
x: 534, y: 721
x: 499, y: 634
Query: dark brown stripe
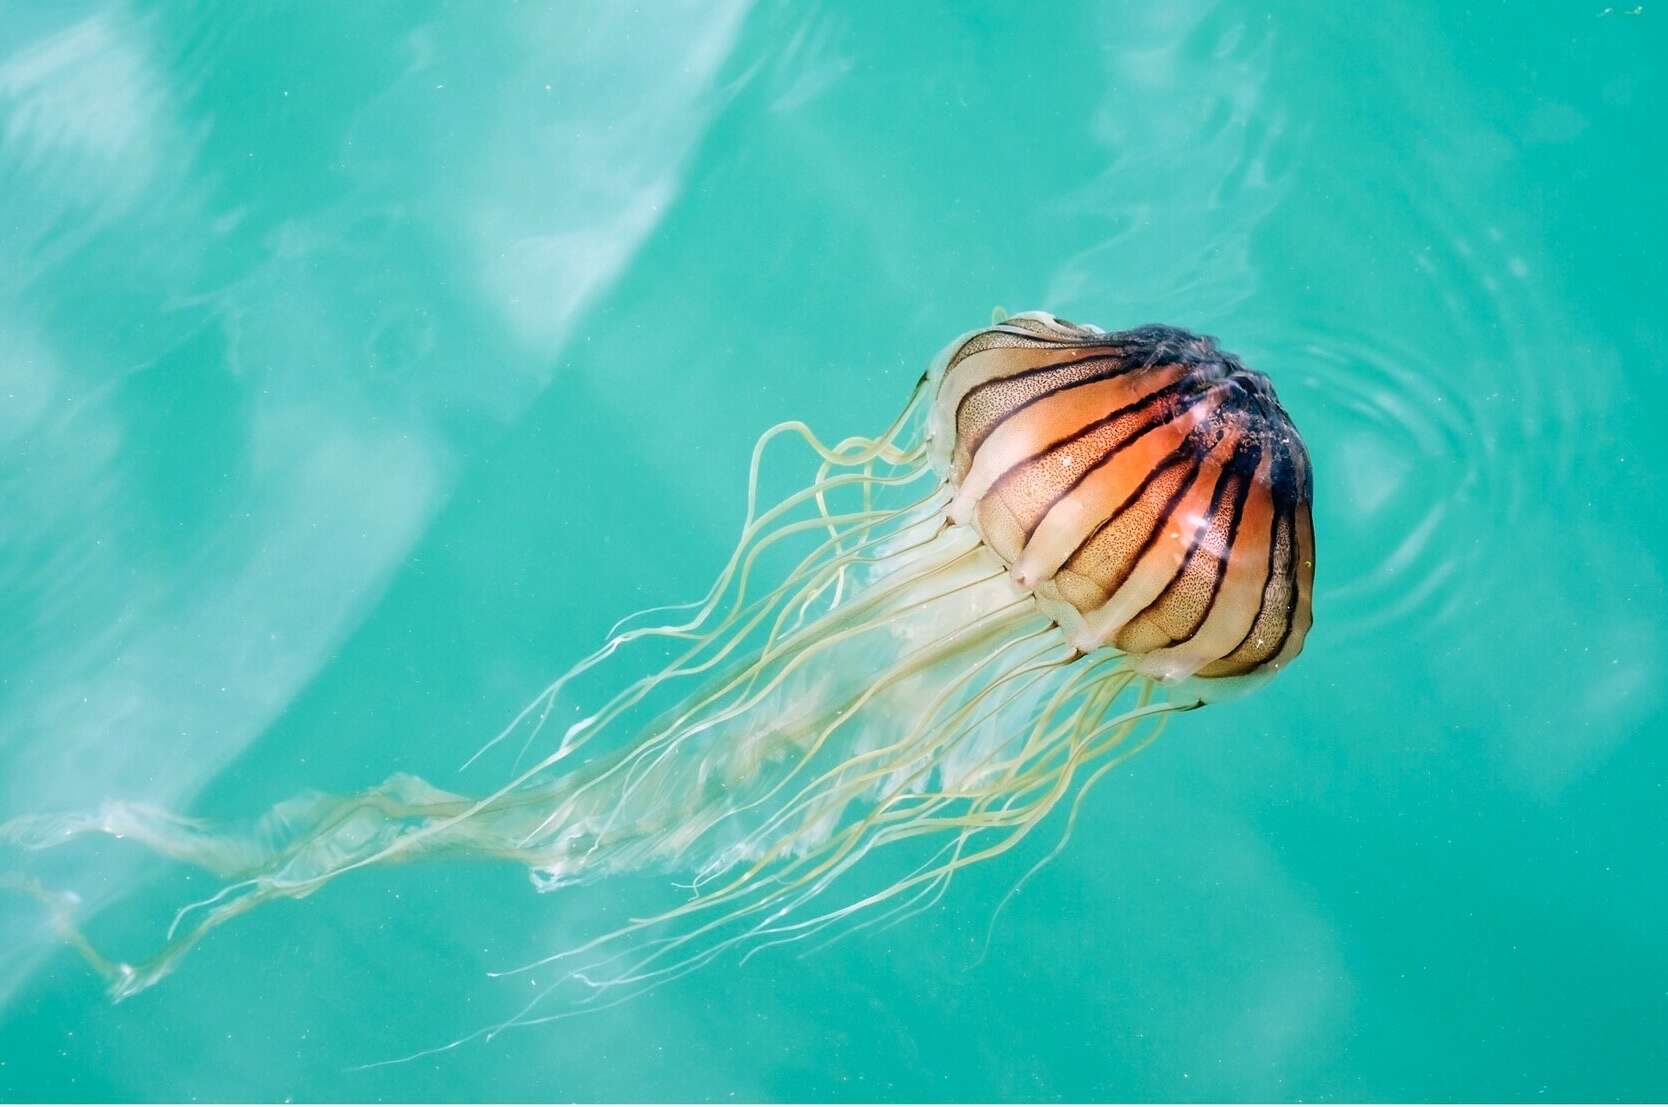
x: 1187, y: 380
x: 1222, y: 481
x: 1194, y: 442
x: 1291, y: 600
x: 1160, y: 520
x: 1159, y: 399
x: 1246, y: 459
x: 1117, y: 368
x: 1274, y: 525
x: 1176, y: 458
x: 1225, y: 558
x: 1029, y: 340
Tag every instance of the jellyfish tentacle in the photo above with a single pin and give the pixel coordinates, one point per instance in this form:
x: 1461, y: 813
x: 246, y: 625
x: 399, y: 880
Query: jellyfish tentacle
x: 865, y: 607
x: 800, y: 653
x: 954, y: 686
x: 851, y: 784
x: 945, y: 872
x: 853, y: 450
x: 1000, y: 622
x: 1026, y: 674
x: 60, y: 912
x: 402, y: 820
x: 741, y: 611
x: 745, y: 548
x: 766, y: 604
x: 801, y: 743
x: 39, y: 833
x: 1081, y: 735
x: 745, y: 554
x: 839, y: 713
x: 930, y: 892
x: 774, y: 828
x: 738, y: 610
x: 849, y: 852
x: 660, y: 946
x: 1070, y: 825
x: 911, y: 663
x: 843, y: 449
x: 837, y: 852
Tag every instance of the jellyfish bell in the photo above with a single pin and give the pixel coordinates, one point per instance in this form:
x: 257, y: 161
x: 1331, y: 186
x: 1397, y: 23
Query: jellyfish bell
x: 953, y: 629
x: 1147, y: 488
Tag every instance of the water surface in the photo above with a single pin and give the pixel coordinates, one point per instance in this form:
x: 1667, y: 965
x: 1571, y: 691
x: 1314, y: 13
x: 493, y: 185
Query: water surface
x: 359, y: 365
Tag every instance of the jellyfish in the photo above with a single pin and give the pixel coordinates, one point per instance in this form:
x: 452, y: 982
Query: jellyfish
x: 949, y: 632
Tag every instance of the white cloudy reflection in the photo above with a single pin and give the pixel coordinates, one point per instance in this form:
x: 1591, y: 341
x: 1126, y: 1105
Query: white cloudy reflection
x: 147, y: 612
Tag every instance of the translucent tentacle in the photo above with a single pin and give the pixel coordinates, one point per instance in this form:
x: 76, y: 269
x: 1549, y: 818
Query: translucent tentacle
x: 862, y: 678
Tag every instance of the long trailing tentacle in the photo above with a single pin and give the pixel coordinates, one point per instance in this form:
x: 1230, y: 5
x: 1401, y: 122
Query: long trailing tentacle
x: 1023, y: 789
x: 312, y: 839
x: 844, y: 849
x: 853, y: 451
x: 887, y: 690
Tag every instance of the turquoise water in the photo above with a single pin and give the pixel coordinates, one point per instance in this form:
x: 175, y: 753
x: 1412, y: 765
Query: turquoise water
x: 360, y: 364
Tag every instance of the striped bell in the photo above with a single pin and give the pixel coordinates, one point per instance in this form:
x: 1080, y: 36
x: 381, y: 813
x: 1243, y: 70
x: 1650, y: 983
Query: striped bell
x: 1145, y: 486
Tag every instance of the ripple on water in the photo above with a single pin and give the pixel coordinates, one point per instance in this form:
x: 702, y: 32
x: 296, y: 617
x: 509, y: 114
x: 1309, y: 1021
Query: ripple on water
x: 1443, y: 439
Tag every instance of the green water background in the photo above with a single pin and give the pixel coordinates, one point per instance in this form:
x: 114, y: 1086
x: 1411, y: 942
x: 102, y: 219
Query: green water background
x: 359, y: 364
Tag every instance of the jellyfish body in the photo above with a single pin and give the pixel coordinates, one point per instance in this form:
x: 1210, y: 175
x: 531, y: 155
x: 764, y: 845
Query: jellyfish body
x: 1148, y: 488
x: 1066, y: 536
